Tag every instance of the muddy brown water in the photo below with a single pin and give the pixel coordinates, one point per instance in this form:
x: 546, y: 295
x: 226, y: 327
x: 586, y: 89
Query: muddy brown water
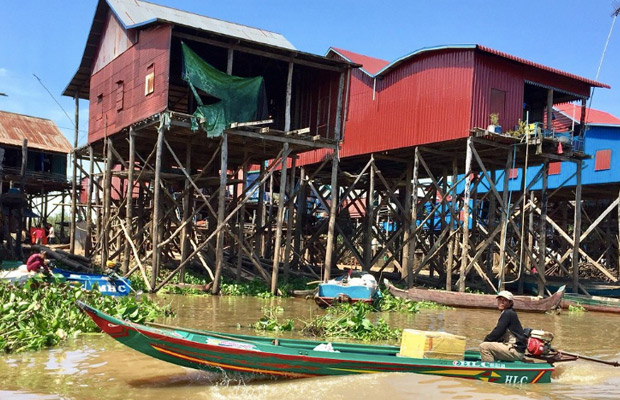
x: 97, y: 367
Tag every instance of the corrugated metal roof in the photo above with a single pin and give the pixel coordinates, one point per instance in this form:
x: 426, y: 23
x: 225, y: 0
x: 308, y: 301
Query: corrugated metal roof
x: 41, y: 133
x: 136, y: 13
x: 593, y: 117
x: 370, y: 65
x: 397, y: 62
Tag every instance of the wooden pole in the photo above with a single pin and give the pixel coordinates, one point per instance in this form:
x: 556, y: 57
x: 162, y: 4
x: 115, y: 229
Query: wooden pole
x: 260, y: 216
x: 107, y: 194
x: 279, y: 221
x: 338, y: 132
x: 414, y: 216
x: 504, y: 221
x: 229, y: 61
x: 268, y: 220
x: 289, y: 219
x: 301, y: 213
x: 542, y: 240
x: 453, y: 241
x: 549, y: 109
x: 408, y: 231
x: 73, y: 180
x: 187, y: 210
x: 221, y: 210
x: 129, y: 198
x: 466, y: 197
x: 241, y: 225
x: 20, y: 211
x: 577, y: 230
x: 370, y: 216
x: 156, y: 227
x: 289, y: 90
x: 88, y: 247
x: 331, y: 227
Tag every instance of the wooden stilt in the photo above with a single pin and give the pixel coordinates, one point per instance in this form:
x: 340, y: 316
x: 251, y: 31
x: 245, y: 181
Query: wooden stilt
x: 504, y: 222
x: 279, y: 222
x: 241, y: 220
x: 577, y: 230
x: 329, y: 256
x: 414, y: 215
x: 129, y: 198
x: 453, y: 241
x: 289, y: 219
x: 466, y: 198
x: 410, y: 228
x: 259, y: 245
x: 370, y: 217
x: 105, y: 237
x: 156, y: 226
x: 221, y: 210
x: 301, y: 213
x: 73, y: 180
x: 542, y: 228
x: 187, y: 211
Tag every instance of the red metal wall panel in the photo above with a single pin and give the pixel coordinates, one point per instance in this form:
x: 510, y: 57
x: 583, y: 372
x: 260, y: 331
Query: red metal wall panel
x: 153, y: 48
x: 425, y: 100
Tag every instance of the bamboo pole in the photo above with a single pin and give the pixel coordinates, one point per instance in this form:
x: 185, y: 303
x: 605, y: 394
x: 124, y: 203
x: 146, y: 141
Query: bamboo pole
x: 453, y: 240
x: 129, y: 197
x: 410, y: 226
x: 301, y: 213
x: 504, y: 221
x: 370, y: 216
x: 241, y: 219
x: 414, y: 216
x: 259, y: 244
x: 187, y: 207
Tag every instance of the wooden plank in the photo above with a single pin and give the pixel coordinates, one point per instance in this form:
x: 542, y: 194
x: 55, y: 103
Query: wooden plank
x: 250, y: 123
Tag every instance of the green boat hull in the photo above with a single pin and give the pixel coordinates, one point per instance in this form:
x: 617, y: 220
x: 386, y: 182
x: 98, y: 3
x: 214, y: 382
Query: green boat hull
x: 292, y: 358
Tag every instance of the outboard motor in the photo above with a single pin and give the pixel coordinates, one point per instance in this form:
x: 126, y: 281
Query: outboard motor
x: 538, y: 341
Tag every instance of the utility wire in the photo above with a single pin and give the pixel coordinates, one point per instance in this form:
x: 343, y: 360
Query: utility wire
x: 53, y: 98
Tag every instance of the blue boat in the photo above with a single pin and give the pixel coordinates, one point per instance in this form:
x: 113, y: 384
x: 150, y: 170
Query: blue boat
x: 352, y: 288
x: 108, y: 285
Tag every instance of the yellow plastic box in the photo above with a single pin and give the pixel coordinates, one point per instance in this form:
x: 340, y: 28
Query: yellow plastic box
x: 423, y: 344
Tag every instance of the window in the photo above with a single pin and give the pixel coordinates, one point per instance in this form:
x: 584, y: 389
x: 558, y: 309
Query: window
x: 99, y: 107
x: 513, y: 174
x: 555, y: 168
x: 149, y: 80
x: 602, y: 160
x: 119, y: 95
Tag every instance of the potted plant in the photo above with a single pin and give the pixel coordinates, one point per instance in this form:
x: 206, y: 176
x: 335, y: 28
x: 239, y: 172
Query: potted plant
x: 495, y: 126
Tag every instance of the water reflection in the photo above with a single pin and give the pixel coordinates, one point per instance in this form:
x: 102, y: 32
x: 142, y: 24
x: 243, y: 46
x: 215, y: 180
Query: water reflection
x: 97, y: 367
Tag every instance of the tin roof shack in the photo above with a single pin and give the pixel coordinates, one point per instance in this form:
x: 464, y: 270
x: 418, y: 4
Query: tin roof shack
x: 150, y: 70
x: 439, y: 94
x: 41, y: 172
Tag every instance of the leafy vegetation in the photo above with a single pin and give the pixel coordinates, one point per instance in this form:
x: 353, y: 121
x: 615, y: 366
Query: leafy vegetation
x: 270, y: 321
x: 42, y: 314
x: 391, y: 303
x: 350, y: 321
x: 578, y: 308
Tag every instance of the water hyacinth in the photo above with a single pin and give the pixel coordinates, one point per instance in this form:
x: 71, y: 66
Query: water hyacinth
x: 43, y: 314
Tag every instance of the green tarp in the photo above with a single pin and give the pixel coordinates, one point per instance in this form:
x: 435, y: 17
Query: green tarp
x: 239, y: 99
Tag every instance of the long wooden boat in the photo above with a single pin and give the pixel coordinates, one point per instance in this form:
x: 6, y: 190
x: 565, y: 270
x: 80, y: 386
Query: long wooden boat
x: 244, y: 354
x: 475, y: 300
x: 595, y: 288
x: 592, y: 303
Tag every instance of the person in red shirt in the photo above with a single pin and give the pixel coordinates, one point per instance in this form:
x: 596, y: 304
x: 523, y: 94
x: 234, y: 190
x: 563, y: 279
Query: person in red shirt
x: 37, y: 262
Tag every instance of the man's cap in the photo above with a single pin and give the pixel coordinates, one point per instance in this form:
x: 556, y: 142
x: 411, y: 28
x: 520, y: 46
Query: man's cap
x: 505, y: 294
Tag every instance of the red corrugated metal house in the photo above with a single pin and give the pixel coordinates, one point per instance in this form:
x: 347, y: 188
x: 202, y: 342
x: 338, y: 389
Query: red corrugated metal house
x: 440, y: 93
x: 132, y: 68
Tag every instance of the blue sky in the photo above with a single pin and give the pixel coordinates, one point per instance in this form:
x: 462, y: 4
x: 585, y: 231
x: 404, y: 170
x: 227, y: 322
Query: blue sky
x: 47, y: 38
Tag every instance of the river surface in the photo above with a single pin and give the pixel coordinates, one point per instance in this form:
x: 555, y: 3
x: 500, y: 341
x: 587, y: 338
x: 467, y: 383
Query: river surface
x: 96, y: 367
